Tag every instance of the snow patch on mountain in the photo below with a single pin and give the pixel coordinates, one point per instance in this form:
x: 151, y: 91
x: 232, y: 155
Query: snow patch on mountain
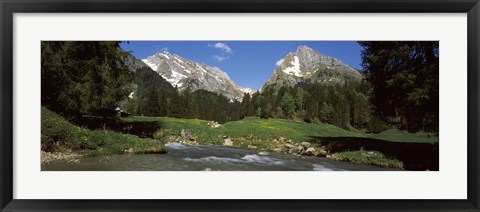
x: 248, y: 90
x: 165, y: 54
x: 307, y: 65
x: 183, y: 73
x: 294, y: 68
x: 150, y: 64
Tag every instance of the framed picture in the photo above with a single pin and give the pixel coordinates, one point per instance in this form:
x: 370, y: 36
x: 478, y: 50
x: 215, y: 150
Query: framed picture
x: 255, y: 106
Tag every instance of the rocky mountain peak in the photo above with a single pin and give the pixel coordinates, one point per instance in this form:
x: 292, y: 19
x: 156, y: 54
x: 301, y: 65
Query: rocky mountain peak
x: 303, y: 48
x: 183, y: 73
x: 307, y: 65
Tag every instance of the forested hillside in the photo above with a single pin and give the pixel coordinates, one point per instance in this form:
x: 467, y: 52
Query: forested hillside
x: 399, y: 88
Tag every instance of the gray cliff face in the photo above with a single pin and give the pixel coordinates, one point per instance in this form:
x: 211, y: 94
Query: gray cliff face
x: 184, y: 73
x: 309, y: 66
x: 132, y: 62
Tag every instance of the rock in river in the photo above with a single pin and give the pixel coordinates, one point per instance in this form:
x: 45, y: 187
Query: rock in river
x: 263, y: 153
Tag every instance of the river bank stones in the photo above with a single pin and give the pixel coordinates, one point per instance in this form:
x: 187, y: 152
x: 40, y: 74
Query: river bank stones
x: 304, y: 149
x: 227, y: 142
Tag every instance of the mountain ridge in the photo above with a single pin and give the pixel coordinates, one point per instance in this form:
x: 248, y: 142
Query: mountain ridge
x: 183, y: 73
x: 307, y: 65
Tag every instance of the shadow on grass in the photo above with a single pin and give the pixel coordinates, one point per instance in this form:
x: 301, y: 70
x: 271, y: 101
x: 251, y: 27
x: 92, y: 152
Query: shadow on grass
x: 415, y: 156
x: 143, y: 129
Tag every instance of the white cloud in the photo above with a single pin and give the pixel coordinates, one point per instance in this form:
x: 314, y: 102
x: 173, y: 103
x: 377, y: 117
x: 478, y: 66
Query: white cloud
x: 219, y: 58
x: 223, y: 46
x: 279, y: 62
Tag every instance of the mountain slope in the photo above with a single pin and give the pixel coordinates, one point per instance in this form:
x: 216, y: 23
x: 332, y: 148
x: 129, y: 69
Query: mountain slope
x: 308, y: 66
x: 144, y: 78
x: 184, y: 73
x: 132, y: 63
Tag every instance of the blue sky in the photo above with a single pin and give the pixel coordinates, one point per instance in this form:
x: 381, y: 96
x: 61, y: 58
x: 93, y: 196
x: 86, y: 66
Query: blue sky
x: 248, y: 63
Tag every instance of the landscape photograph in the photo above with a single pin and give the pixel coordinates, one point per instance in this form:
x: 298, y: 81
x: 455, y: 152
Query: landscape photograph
x: 225, y: 105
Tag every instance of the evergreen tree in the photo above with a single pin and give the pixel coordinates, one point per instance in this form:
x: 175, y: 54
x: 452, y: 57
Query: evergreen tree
x: 300, y: 97
x: 266, y: 111
x: 175, y: 104
x: 279, y: 113
x: 85, y: 77
x: 326, y: 113
x: 313, y: 103
x: 288, y: 105
x: 163, y: 110
x: 245, y: 106
x: 404, y: 78
x: 152, y: 103
x: 187, y: 104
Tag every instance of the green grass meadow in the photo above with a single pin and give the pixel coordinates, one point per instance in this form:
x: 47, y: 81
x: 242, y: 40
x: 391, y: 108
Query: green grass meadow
x: 271, y: 128
x: 59, y: 135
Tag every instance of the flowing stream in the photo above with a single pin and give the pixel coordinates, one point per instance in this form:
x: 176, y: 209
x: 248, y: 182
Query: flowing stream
x: 207, y: 157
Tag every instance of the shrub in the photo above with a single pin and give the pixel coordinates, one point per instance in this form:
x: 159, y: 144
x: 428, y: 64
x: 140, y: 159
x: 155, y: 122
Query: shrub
x: 162, y: 134
x: 59, y: 134
x: 316, y: 121
x: 376, y: 125
x: 369, y: 158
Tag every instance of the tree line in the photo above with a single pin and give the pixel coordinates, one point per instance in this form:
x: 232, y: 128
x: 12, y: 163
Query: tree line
x: 91, y: 78
x: 84, y: 77
x: 344, y: 105
x: 156, y: 97
x: 405, y: 82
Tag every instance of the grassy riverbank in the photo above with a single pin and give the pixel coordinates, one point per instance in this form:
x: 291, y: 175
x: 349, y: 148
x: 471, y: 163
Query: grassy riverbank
x: 64, y: 140
x: 328, y: 140
x: 61, y: 136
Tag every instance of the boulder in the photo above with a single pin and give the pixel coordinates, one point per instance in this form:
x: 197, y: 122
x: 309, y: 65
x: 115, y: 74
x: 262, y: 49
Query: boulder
x: 296, y: 150
x: 213, y: 124
x: 227, y: 142
x: 305, y: 144
x: 300, y: 149
x: 128, y: 151
x: 252, y: 146
x: 322, y: 152
x: 310, y: 151
x: 187, y: 135
x: 292, y: 151
x: 191, y: 143
x: 263, y: 153
x: 290, y: 146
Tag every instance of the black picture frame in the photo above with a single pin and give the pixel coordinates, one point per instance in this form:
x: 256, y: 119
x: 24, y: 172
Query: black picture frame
x: 9, y: 7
